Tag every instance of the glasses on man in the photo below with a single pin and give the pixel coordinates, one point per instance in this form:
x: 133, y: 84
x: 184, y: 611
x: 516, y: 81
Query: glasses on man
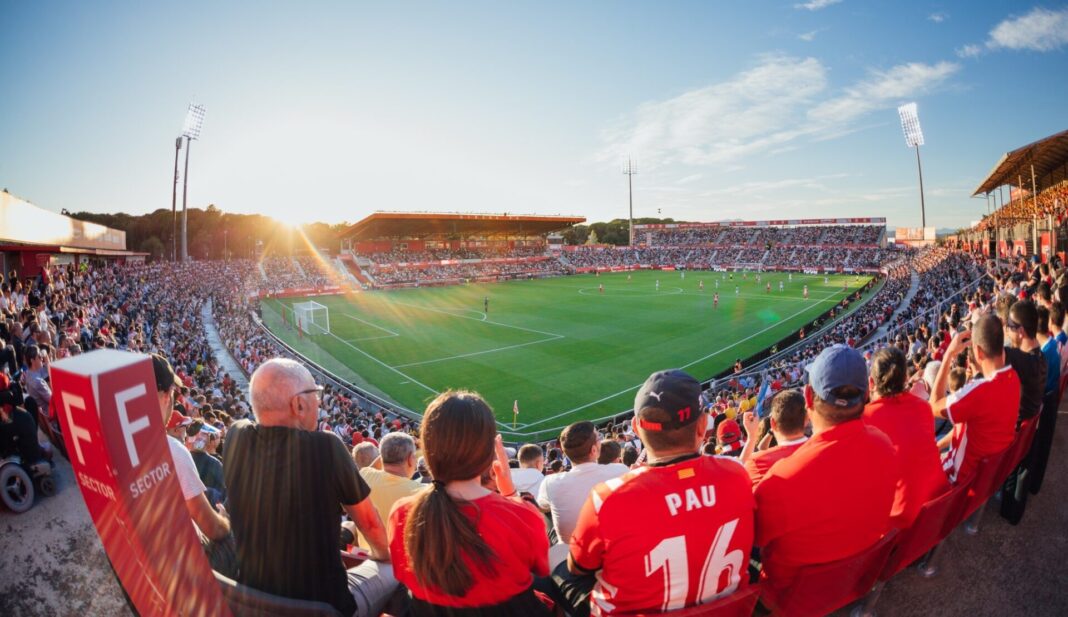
x: 318, y: 390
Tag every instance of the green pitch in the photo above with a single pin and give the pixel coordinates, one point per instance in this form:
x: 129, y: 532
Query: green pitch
x: 561, y: 347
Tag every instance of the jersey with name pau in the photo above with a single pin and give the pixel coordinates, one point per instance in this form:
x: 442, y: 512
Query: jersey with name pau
x: 665, y: 538
x: 983, y: 414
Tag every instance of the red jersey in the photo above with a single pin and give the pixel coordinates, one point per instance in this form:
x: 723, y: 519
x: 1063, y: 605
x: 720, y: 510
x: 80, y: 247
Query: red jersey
x: 906, y: 420
x: 666, y: 537
x: 760, y: 463
x: 830, y: 499
x: 983, y: 414
x: 514, y: 532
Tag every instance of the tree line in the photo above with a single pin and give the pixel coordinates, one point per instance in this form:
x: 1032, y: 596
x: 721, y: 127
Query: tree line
x: 214, y: 234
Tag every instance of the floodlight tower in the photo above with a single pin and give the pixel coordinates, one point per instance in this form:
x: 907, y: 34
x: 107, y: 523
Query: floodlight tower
x: 174, y: 202
x: 194, y: 121
x: 910, y: 123
x: 630, y: 169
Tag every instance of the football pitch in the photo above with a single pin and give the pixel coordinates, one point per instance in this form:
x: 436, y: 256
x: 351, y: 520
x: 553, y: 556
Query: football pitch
x: 561, y: 347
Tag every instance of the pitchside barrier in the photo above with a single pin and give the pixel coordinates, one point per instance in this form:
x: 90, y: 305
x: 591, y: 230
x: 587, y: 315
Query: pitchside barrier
x: 518, y: 437
x: 113, y: 428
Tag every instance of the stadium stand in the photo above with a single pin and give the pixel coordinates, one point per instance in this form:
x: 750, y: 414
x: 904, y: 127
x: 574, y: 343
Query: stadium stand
x: 924, y: 307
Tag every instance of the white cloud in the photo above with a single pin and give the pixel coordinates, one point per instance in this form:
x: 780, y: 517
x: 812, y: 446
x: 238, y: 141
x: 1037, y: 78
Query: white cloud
x: 764, y: 110
x: 1039, y: 30
x: 938, y: 17
x: 969, y: 51
x: 808, y: 37
x: 750, y: 112
x: 815, y: 5
x: 882, y: 89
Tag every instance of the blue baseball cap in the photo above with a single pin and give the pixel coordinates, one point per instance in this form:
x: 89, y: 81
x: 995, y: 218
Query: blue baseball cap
x: 835, y: 367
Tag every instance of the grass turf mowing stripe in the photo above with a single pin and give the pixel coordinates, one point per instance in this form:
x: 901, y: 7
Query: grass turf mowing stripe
x: 606, y: 340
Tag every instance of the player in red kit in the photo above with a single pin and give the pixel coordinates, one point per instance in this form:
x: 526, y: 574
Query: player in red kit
x: 715, y: 300
x: 767, y: 289
x: 674, y: 533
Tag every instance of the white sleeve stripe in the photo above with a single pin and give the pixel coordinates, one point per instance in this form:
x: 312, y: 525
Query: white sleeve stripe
x: 968, y: 388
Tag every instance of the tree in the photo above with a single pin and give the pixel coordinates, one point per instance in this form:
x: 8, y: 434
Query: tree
x: 592, y: 238
x: 153, y: 246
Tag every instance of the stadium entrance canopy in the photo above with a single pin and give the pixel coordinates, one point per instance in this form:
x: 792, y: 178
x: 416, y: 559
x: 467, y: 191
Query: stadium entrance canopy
x: 31, y: 237
x: 1048, y: 157
x: 426, y: 224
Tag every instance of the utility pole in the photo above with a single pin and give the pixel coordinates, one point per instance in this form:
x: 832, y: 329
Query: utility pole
x: 630, y: 169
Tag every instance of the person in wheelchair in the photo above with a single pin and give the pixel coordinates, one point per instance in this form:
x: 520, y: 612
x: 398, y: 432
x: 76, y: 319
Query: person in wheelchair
x: 18, y: 427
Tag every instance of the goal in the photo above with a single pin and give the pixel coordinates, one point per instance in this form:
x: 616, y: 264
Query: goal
x: 312, y: 317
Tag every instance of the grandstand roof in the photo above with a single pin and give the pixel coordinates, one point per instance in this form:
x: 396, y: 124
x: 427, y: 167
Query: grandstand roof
x: 397, y: 224
x: 1046, y: 155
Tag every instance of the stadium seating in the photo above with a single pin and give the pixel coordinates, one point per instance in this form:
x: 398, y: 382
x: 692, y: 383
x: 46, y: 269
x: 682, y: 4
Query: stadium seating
x: 824, y: 588
x: 245, y: 601
x: 929, y: 529
x: 739, y: 604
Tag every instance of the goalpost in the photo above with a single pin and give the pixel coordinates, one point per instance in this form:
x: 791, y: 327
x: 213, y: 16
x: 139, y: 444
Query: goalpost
x: 312, y: 317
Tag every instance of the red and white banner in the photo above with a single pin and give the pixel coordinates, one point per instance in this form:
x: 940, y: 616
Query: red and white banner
x: 113, y: 428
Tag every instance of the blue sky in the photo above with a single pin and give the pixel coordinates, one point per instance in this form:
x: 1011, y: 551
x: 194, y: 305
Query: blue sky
x: 331, y: 111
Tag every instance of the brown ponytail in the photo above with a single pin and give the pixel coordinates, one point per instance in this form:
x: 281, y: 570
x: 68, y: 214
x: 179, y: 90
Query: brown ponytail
x: 458, y: 434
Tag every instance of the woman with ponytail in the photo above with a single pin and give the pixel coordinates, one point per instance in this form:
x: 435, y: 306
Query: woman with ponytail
x: 907, y: 421
x: 460, y: 548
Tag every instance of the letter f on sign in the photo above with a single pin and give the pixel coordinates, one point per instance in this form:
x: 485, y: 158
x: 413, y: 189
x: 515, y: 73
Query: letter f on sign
x: 130, y: 428
x: 78, y: 434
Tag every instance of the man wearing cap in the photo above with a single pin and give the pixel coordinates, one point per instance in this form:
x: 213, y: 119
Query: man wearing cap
x: 832, y: 497
x: 214, y: 525
x: 563, y: 494
x: 729, y: 438
x: 674, y: 533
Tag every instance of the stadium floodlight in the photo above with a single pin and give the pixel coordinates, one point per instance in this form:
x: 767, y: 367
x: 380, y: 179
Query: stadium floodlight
x: 630, y: 169
x: 194, y: 122
x: 910, y: 123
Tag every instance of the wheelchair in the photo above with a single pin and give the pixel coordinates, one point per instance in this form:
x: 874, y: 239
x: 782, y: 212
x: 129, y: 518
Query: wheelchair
x: 20, y: 482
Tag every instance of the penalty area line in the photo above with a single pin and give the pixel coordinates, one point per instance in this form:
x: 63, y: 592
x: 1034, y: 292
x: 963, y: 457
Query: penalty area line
x: 479, y: 353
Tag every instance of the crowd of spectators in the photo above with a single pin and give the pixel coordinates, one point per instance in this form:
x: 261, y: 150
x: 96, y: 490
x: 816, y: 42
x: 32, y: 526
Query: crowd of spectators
x: 563, y: 520
x: 397, y: 256
x: 801, y: 235
x: 704, y: 257
x: 1050, y: 202
x: 461, y: 272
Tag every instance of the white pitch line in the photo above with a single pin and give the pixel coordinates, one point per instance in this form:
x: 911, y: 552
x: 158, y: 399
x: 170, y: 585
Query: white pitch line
x: 406, y: 376
x: 376, y: 326
x: 483, y: 320
x: 714, y: 353
x: 479, y: 353
x: 370, y: 338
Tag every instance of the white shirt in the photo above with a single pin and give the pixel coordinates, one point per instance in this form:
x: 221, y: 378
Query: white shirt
x: 185, y: 469
x: 527, y: 480
x: 564, y: 493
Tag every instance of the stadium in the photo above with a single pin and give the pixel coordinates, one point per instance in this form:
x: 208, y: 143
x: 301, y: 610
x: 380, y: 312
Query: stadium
x: 733, y: 411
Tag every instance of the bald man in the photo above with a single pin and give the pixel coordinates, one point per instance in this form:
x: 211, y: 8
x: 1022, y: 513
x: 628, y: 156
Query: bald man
x: 287, y: 485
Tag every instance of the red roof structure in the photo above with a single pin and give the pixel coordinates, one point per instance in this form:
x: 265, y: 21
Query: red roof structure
x: 424, y: 224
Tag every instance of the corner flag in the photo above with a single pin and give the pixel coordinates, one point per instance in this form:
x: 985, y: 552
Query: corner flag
x: 515, y: 413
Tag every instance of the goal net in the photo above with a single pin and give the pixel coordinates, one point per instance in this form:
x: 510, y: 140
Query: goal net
x: 312, y: 317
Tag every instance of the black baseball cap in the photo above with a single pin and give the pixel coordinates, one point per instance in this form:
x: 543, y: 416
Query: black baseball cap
x: 668, y: 400
x: 165, y: 377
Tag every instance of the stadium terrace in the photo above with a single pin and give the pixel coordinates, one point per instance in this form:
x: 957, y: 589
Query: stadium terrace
x: 464, y: 414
